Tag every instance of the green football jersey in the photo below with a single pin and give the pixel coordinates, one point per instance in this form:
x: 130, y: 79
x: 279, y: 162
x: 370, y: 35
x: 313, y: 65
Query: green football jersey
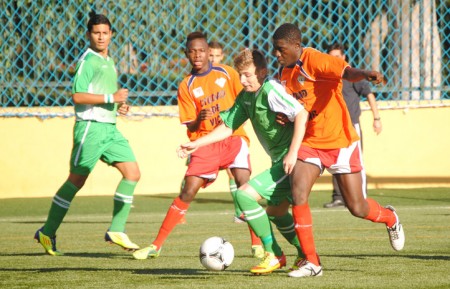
x: 95, y: 74
x: 261, y: 107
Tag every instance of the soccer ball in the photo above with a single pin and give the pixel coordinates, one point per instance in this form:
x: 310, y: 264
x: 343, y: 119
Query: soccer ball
x: 216, y: 254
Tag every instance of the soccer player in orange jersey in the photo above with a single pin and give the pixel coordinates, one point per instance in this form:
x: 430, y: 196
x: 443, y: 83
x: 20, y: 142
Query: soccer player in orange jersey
x: 330, y: 141
x: 207, y: 90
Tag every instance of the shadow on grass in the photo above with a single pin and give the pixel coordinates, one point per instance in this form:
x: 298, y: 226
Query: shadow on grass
x: 78, y: 255
x: 197, y: 199
x: 418, y: 257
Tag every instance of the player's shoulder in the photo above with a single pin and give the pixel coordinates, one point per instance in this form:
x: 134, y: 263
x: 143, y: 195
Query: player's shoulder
x: 272, y: 83
x: 310, y: 52
x: 224, y: 69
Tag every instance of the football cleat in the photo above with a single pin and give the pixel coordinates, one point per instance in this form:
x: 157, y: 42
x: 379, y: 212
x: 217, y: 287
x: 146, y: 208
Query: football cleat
x: 258, y: 251
x: 297, y: 264
x: 120, y: 239
x: 269, y: 264
x: 49, y: 243
x: 396, y: 233
x: 306, y: 269
x: 152, y: 251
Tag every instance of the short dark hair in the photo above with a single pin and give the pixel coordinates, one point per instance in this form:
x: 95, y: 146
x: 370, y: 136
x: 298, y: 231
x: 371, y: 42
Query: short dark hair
x: 195, y: 35
x: 96, y: 19
x: 289, y: 32
x: 215, y: 45
x: 336, y: 46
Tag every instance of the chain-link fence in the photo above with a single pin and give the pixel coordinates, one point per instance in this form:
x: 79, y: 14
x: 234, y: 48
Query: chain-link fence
x: 409, y: 41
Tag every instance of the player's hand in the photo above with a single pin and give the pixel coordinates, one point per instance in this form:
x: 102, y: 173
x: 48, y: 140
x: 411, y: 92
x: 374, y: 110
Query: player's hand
x: 289, y: 161
x: 121, y: 95
x: 377, y: 126
x: 185, y: 149
x: 376, y: 77
x: 123, y: 108
x: 281, y: 119
x: 204, y: 114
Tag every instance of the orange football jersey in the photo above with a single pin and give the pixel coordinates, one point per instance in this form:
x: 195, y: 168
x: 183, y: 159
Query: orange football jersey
x: 215, y: 89
x: 316, y: 81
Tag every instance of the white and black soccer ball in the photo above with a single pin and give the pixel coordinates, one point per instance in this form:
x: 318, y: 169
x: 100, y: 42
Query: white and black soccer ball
x: 216, y: 254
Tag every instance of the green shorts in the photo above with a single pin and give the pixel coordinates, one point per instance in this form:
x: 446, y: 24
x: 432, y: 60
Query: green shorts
x: 96, y: 140
x: 273, y: 185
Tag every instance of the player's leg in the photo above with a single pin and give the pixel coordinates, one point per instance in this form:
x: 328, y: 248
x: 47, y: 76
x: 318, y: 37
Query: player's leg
x: 283, y: 220
x: 369, y: 209
x: 242, y: 176
x: 123, y: 200
x: 119, y: 154
x: 270, y: 185
x: 86, y: 151
x: 241, y: 170
x: 302, y: 180
x: 238, y: 217
x: 175, y: 212
x: 247, y: 199
x: 46, y: 235
x: 353, y: 189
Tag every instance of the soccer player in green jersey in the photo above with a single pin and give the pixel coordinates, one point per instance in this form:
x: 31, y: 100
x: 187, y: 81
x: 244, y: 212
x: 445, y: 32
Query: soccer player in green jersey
x: 260, y: 101
x: 95, y: 137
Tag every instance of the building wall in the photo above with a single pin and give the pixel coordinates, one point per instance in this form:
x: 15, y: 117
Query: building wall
x: 413, y: 150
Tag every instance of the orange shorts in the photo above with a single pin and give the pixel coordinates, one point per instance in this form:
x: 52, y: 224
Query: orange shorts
x: 336, y: 161
x: 206, y: 162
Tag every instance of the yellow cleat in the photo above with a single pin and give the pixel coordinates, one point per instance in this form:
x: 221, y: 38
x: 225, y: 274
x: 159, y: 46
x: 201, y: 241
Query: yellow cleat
x: 269, y: 264
x: 152, y: 251
x: 49, y: 243
x: 122, y: 240
x: 258, y: 251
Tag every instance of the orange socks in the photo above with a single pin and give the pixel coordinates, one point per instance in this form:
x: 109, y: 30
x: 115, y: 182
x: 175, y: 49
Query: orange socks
x: 378, y: 214
x: 255, y: 239
x: 173, y: 216
x: 303, y: 228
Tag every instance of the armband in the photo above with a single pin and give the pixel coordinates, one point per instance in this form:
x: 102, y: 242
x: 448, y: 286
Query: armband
x: 108, y: 98
x: 377, y: 118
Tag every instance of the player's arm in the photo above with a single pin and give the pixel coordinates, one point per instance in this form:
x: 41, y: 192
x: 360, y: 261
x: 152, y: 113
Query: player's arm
x: 377, y: 126
x: 221, y: 132
x: 119, y: 96
x: 204, y: 114
x: 290, y: 159
x: 354, y: 75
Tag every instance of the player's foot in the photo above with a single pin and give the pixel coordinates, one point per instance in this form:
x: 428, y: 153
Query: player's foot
x: 306, y: 269
x: 258, y: 251
x: 239, y: 219
x: 334, y: 204
x: 49, y: 243
x: 297, y: 264
x: 148, y: 252
x: 120, y: 239
x: 396, y: 233
x: 269, y: 264
x: 182, y: 220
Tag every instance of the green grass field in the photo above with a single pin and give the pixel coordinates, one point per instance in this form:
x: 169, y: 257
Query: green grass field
x: 354, y: 253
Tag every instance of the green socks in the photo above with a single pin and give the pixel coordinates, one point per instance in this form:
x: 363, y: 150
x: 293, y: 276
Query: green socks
x: 123, y: 198
x: 285, y: 226
x: 257, y: 218
x: 60, y: 206
x: 233, y: 191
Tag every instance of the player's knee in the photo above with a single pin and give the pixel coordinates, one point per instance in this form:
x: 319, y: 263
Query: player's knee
x: 243, y: 197
x: 187, y: 195
x: 357, y: 210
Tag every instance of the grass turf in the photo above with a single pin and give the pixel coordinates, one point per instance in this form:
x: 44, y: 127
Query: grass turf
x: 354, y: 253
